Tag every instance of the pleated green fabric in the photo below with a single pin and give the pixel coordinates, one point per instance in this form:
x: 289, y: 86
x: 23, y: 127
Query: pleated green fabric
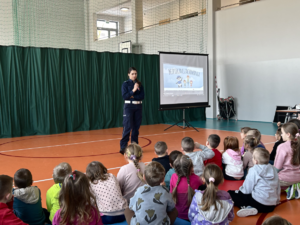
x: 50, y: 91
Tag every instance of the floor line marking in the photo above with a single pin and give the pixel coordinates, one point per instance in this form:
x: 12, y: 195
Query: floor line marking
x: 87, y: 142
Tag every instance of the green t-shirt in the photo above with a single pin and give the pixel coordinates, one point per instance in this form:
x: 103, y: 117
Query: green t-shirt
x: 52, y: 200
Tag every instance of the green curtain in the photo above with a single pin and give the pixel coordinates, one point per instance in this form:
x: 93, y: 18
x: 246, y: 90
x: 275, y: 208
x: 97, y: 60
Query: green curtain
x: 50, y: 91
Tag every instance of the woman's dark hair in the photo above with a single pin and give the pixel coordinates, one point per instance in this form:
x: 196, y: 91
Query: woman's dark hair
x: 134, y: 69
x: 77, y: 202
x: 96, y: 171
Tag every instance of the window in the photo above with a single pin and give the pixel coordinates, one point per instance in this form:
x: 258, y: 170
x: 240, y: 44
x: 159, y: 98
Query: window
x: 107, y: 29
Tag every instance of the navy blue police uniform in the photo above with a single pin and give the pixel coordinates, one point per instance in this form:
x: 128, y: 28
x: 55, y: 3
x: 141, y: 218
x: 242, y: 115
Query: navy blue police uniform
x: 132, y: 113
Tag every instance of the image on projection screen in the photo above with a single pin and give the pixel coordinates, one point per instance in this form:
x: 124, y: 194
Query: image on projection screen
x: 183, y: 79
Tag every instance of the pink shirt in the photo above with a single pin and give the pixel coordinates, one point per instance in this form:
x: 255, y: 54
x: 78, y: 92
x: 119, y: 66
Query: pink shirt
x: 182, y: 193
x: 284, y: 155
x: 96, y: 218
x: 129, y: 180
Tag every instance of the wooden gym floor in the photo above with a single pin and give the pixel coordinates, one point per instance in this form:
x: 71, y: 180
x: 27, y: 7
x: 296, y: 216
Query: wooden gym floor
x: 40, y: 154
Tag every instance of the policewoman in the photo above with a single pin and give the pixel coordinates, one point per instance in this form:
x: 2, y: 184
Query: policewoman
x: 133, y: 94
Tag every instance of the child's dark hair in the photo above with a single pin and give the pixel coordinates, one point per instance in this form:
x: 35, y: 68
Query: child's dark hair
x: 187, y: 144
x: 6, y: 184
x: 134, y: 152
x: 261, y: 155
x: 76, y: 200
x: 214, y: 140
x: 173, y: 155
x: 276, y: 220
x: 154, y: 173
x: 96, y: 171
x: 134, y: 69
x: 213, y: 178
x: 293, y: 130
x: 160, y: 148
x: 231, y: 143
x: 250, y: 143
x: 244, y: 130
x: 183, y: 166
x: 61, y: 171
x: 256, y: 133
x: 295, y: 121
x: 23, y: 178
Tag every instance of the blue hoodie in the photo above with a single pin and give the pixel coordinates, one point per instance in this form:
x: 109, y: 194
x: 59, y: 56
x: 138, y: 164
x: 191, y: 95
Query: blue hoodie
x: 263, y: 183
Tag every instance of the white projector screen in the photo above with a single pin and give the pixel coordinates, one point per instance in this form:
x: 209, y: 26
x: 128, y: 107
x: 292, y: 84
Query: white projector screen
x: 183, y: 80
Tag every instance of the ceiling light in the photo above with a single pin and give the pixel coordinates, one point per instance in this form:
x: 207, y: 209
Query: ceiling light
x: 124, y: 9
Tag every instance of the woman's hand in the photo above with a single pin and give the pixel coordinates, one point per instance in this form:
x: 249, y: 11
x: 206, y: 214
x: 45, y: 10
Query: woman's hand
x: 136, y: 86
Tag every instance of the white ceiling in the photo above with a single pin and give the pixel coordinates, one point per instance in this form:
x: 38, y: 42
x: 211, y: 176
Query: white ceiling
x: 113, y: 7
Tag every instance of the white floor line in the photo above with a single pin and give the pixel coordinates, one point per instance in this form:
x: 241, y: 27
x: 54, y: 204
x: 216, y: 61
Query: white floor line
x: 87, y: 142
x: 38, y: 181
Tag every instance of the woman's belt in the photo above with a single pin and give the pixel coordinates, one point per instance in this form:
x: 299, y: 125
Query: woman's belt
x: 133, y: 102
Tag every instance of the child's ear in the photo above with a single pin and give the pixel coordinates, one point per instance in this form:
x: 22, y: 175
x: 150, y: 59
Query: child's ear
x: 167, y: 151
x: 8, y: 196
x: 171, y: 165
x: 144, y: 178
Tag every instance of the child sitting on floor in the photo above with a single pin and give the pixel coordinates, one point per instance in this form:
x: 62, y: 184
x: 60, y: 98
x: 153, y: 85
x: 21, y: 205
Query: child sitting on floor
x: 211, y: 206
x: 213, y: 142
x: 256, y: 133
x: 59, y: 173
x: 260, y: 191
x: 182, y: 185
x: 161, y: 150
x: 250, y: 143
x: 278, y: 142
x: 27, y: 199
x: 198, y: 158
x: 152, y: 203
x: 7, y: 216
x: 287, y: 160
x: 106, y: 189
x: 77, y: 202
x: 130, y: 176
x: 244, y: 131
x: 172, y: 158
x: 232, y: 159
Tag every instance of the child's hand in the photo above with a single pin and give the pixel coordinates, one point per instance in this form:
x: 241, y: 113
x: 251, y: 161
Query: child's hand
x: 163, y: 184
x: 278, y: 124
x: 197, y: 145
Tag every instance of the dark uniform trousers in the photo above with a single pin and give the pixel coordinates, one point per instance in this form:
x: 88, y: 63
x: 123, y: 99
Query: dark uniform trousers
x: 132, y: 119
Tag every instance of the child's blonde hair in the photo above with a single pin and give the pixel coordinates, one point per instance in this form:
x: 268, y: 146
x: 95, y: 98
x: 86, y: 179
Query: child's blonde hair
x: 76, y: 200
x: 61, y: 171
x: 134, y: 153
x: 261, y: 155
x: 213, y: 178
x: 256, y: 133
x: 250, y: 143
x: 183, y: 166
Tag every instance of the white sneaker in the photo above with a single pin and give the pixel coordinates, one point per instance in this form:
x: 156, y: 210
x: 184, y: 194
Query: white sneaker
x: 247, y: 211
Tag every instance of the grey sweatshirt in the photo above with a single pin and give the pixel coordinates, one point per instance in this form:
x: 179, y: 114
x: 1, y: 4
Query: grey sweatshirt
x: 198, y: 158
x: 263, y: 183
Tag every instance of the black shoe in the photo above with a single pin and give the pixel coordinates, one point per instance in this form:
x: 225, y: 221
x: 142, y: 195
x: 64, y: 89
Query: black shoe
x: 122, y: 151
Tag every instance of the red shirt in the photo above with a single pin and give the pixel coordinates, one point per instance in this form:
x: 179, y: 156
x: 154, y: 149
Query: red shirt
x: 217, y: 159
x: 7, y: 216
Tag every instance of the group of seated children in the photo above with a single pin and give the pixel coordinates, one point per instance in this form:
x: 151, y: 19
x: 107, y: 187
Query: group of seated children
x: 181, y: 184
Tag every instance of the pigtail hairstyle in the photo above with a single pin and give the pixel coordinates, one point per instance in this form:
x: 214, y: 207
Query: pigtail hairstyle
x: 134, y: 69
x: 213, y: 178
x: 76, y: 201
x: 251, y: 142
x: 231, y: 143
x: 134, y: 152
x: 96, y: 171
x: 183, y: 166
x: 293, y: 130
x: 256, y: 133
